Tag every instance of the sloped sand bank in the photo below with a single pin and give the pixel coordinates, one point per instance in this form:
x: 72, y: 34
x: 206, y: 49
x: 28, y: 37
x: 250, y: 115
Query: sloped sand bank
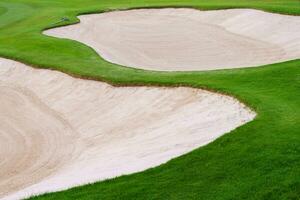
x: 57, y: 131
x: 188, y: 39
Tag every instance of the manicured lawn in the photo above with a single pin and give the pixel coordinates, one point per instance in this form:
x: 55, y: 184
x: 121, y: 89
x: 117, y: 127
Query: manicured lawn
x: 260, y: 160
x: 2, y: 11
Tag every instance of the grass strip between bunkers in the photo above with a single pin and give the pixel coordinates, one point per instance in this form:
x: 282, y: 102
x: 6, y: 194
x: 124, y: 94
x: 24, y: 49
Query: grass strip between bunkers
x: 257, y: 161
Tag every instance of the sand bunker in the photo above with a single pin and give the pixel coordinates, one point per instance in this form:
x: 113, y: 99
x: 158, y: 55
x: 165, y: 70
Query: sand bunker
x: 188, y: 39
x: 57, y: 131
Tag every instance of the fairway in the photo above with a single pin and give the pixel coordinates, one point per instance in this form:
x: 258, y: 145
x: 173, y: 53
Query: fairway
x: 217, y: 134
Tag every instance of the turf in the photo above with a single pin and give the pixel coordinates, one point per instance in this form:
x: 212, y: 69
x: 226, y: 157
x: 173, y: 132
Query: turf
x: 260, y: 160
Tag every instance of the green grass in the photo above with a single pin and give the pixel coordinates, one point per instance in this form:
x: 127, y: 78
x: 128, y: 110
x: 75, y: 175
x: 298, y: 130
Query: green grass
x: 2, y: 11
x: 260, y: 160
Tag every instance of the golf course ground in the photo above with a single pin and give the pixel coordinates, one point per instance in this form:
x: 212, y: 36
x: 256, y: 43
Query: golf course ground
x: 259, y: 160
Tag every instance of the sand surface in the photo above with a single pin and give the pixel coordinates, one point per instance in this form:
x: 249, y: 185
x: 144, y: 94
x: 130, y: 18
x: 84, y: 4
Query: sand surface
x: 188, y: 39
x: 57, y: 131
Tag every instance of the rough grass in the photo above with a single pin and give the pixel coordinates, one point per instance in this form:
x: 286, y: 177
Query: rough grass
x: 257, y: 161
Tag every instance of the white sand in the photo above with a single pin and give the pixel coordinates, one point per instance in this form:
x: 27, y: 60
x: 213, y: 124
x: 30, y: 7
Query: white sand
x: 57, y: 131
x: 188, y: 39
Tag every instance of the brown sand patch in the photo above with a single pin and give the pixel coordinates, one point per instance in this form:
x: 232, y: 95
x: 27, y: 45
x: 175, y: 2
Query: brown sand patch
x: 57, y: 131
x: 188, y: 39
